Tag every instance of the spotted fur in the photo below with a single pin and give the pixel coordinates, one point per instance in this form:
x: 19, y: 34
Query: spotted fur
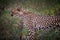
x: 32, y: 21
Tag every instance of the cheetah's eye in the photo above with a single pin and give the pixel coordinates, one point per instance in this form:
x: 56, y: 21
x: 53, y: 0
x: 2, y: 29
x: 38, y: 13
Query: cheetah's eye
x: 18, y: 9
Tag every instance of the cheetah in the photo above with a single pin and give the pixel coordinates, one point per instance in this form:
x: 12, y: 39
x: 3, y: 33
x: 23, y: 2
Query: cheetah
x: 32, y: 21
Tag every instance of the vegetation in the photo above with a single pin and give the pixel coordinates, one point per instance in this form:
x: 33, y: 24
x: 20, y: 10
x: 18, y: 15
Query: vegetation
x: 11, y: 29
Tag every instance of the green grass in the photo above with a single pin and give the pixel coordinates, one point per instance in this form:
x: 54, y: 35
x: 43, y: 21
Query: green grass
x: 10, y: 26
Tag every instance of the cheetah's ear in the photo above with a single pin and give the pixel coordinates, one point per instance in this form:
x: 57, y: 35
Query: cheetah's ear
x: 19, y: 9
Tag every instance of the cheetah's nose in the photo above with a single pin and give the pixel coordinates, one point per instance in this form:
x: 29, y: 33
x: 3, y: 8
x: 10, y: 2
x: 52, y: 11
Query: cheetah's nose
x: 11, y: 14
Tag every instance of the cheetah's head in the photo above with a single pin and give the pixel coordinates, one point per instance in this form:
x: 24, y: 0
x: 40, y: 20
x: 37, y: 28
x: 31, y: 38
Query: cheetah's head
x: 17, y: 12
